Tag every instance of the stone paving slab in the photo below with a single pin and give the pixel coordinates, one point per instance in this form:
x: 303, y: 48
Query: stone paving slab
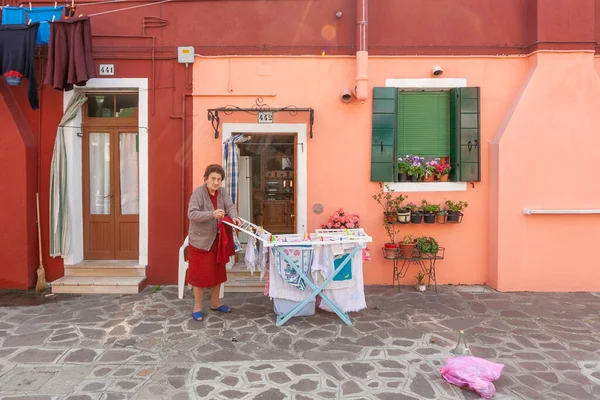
x: 146, y: 346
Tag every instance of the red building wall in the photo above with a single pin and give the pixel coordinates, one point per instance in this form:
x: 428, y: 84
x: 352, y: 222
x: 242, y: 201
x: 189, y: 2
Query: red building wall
x: 147, y: 48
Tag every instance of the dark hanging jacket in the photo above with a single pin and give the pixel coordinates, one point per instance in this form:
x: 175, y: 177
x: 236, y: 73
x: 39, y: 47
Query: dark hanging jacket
x: 70, y: 59
x: 17, y: 51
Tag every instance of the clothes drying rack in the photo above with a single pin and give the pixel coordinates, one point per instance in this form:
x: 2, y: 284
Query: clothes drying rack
x: 321, y: 237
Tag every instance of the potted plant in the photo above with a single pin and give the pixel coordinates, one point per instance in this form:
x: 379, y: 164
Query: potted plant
x: 403, y: 166
x: 427, y: 246
x: 442, y: 171
x: 341, y: 220
x: 416, y: 216
x: 415, y: 169
x: 429, y: 171
x: 407, y: 246
x: 455, y: 210
x: 429, y: 211
x: 402, y: 211
x: 420, y: 286
x: 386, y: 199
x: 390, y: 248
x: 441, y: 216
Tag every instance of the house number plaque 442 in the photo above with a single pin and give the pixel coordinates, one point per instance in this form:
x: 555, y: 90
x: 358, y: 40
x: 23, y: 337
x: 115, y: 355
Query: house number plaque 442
x: 265, y: 117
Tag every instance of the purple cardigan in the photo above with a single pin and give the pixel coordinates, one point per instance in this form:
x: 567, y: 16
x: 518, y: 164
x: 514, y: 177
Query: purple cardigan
x: 203, y: 226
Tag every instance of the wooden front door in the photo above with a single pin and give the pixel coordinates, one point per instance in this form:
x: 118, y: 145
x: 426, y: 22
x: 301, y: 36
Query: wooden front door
x: 110, y: 193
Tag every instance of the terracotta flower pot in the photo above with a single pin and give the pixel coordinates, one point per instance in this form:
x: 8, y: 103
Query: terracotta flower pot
x: 407, y: 250
x: 429, y: 178
x: 443, y: 178
x: 440, y: 219
x: 391, y: 217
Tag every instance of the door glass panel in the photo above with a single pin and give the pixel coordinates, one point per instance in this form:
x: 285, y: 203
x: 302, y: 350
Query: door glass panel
x: 101, y: 105
x: 126, y: 105
x: 100, y: 173
x: 128, y: 173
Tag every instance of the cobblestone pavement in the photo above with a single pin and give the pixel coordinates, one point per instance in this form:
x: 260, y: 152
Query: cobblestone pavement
x: 146, y: 346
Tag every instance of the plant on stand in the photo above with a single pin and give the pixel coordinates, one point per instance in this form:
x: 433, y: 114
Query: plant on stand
x: 403, y: 212
x: 407, y: 246
x: 429, y: 211
x: 420, y: 286
x: 391, y: 247
x: 442, y: 171
x: 416, y: 216
x: 427, y: 246
x: 455, y: 210
x: 388, y: 202
x: 441, y: 216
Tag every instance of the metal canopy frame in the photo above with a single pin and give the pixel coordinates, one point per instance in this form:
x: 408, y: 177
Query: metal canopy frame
x: 258, y: 107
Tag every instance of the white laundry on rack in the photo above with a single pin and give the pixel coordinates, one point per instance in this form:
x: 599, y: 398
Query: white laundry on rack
x: 352, y: 298
x: 251, y: 255
x: 279, y: 288
x: 262, y: 257
x: 256, y: 256
x: 323, y: 266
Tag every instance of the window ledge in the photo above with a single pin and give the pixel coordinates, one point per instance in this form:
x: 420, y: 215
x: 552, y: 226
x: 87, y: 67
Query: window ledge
x: 404, y: 187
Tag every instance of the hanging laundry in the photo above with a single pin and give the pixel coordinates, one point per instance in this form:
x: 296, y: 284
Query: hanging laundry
x: 17, y: 51
x: 44, y: 15
x: 301, y: 256
x: 70, y: 59
x: 13, y: 15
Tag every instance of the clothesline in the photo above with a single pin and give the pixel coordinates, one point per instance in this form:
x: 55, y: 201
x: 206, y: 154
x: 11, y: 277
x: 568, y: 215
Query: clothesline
x: 127, y: 8
x: 115, y: 10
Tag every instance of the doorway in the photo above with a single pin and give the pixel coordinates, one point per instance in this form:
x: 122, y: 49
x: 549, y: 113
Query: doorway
x: 268, y: 198
x: 111, y: 189
x: 300, y: 133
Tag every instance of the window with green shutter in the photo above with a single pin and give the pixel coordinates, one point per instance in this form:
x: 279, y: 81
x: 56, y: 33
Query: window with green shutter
x: 430, y: 124
x: 423, y: 124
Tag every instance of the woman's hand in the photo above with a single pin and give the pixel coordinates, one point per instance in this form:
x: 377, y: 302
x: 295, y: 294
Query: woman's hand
x: 218, y: 213
x: 237, y: 221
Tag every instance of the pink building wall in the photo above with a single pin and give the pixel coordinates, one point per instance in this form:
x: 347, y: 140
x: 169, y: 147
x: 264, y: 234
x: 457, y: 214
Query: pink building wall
x: 339, y: 155
x: 545, y: 157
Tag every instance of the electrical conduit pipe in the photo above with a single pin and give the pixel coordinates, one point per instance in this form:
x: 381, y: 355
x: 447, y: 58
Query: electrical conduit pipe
x: 361, y: 90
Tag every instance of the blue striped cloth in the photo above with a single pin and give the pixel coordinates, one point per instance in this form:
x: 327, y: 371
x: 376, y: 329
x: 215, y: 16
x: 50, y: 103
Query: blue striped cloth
x: 231, y: 153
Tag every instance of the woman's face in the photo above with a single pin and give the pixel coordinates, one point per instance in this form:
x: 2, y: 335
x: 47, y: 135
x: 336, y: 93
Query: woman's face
x: 214, y: 180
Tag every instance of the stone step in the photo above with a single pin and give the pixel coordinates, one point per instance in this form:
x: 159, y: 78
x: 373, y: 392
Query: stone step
x: 99, y: 285
x: 109, y: 268
x: 239, y: 280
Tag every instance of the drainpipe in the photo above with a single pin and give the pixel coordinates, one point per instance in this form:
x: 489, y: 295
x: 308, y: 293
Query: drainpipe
x: 361, y: 90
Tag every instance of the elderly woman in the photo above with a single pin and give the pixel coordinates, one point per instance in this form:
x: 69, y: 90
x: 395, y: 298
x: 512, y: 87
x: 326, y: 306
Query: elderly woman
x: 209, y: 203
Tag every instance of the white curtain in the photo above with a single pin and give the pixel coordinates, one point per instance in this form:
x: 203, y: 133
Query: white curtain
x: 100, y: 173
x: 59, y: 207
x: 128, y: 170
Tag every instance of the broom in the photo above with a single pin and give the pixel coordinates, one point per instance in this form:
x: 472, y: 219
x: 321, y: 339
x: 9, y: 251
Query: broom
x: 41, y: 274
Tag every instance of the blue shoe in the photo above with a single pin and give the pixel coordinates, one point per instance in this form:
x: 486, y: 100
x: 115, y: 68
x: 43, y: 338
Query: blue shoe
x: 198, y: 316
x: 222, y: 308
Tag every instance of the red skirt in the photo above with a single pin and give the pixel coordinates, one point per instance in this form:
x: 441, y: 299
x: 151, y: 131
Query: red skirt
x: 203, y: 269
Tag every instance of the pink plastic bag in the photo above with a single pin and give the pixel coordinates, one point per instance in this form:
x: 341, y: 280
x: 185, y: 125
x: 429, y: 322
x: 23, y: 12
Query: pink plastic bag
x: 474, y: 373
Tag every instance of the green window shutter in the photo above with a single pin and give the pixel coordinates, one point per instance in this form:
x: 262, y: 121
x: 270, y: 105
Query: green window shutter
x: 465, y: 134
x: 383, y: 150
x: 423, y: 124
